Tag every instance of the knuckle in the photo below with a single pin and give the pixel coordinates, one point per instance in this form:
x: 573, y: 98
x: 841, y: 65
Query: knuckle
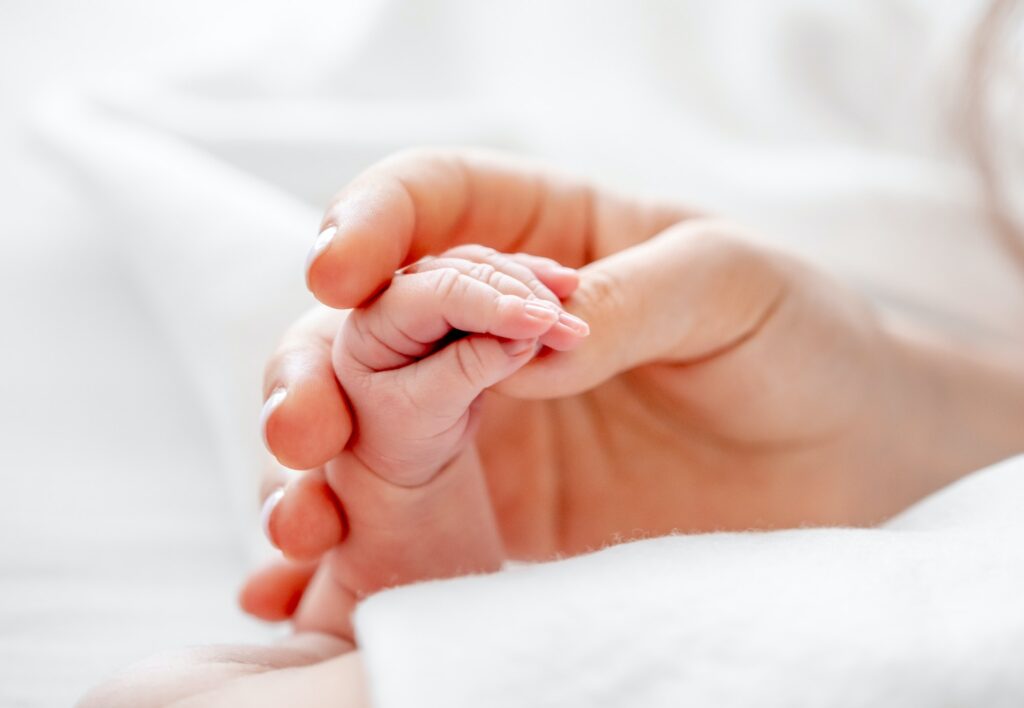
x: 485, y: 273
x: 523, y: 268
x: 356, y: 333
x: 721, y: 244
x: 720, y: 252
x: 522, y: 276
x: 446, y: 282
x: 470, y: 362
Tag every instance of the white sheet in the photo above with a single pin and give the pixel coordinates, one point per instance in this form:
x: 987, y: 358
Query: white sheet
x: 159, y: 205
x: 924, y: 612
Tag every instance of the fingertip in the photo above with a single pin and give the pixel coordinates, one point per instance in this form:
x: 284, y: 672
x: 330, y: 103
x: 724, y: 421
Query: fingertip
x: 275, y: 399
x: 305, y: 519
x: 273, y: 592
x: 568, y: 333
x: 345, y: 276
x: 537, y: 312
x: 270, y: 505
x: 307, y: 423
x: 364, y: 239
x: 321, y: 244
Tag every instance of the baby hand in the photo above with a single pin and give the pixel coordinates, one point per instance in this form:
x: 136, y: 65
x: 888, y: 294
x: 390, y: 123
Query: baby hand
x: 413, y: 365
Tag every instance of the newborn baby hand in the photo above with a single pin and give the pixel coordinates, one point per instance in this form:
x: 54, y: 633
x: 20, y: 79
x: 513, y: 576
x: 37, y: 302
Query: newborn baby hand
x: 413, y: 365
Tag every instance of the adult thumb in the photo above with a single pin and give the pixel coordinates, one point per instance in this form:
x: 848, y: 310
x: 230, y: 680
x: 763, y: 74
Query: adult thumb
x: 695, y: 290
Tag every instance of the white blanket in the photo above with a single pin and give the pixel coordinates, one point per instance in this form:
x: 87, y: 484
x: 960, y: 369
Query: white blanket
x: 924, y: 612
x: 155, y: 227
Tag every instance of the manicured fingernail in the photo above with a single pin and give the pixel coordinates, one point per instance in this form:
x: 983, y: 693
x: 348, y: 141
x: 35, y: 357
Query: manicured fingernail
x: 322, y: 243
x: 516, y: 347
x: 271, y: 404
x: 541, y: 310
x: 268, y: 509
x: 574, y: 323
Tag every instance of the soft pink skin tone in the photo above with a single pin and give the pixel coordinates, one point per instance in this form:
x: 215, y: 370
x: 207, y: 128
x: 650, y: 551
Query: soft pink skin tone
x: 411, y: 482
x: 723, y: 386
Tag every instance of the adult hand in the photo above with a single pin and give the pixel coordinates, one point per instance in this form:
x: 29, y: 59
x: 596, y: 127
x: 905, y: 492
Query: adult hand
x: 723, y: 386
x: 301, y: 670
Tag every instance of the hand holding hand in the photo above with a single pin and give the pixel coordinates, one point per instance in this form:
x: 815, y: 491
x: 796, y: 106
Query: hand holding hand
x: 723, y: 386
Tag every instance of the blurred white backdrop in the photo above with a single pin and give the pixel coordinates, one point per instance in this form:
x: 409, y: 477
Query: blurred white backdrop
x: 162, y: 170
x: 117, y: 535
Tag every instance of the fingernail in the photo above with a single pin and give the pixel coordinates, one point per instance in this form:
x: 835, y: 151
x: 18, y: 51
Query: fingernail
x: 268, y: 509
x: 574, y: 323
x: 516, y: 347
x: 564, y: 271
x: 271, y: 404
x: 322, y: 243
x: 541, y: 311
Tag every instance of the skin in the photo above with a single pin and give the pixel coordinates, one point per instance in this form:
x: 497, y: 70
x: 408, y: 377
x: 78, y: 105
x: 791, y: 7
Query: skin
x: 411, y: 482
x: 723, y: 385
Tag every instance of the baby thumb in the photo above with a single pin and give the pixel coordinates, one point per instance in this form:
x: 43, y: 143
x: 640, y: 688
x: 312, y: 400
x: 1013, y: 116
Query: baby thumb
x: 689, y: 292
x: 448, y: 381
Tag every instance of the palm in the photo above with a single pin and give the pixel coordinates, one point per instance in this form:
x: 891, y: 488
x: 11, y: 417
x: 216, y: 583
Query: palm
x: 735, y: 435
x: 688, y: 447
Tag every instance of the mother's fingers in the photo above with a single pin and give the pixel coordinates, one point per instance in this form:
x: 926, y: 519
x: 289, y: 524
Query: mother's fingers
x: 305, y: 420
x: 304, y: 517
x: 424, y: 202
x: 274, y: 591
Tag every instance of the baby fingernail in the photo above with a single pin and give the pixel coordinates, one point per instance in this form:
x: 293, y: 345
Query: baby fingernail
x: 541, y: 311
x: 322, y: 243
x: 271, y: 404
x: 268, y: 509
x: 515, y: 347
x: 574, y: 323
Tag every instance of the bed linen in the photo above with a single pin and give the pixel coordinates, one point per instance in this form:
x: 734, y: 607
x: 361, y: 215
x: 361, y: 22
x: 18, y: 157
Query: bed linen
x: 924, y: 611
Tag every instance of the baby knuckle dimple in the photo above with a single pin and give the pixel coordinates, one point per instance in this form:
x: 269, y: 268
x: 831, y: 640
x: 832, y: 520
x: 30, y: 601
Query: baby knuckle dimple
x: 446, y: 282
x: 513, y: 268
x: 485, y: 273
x: 522, y: 278
x: 507, y: 284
